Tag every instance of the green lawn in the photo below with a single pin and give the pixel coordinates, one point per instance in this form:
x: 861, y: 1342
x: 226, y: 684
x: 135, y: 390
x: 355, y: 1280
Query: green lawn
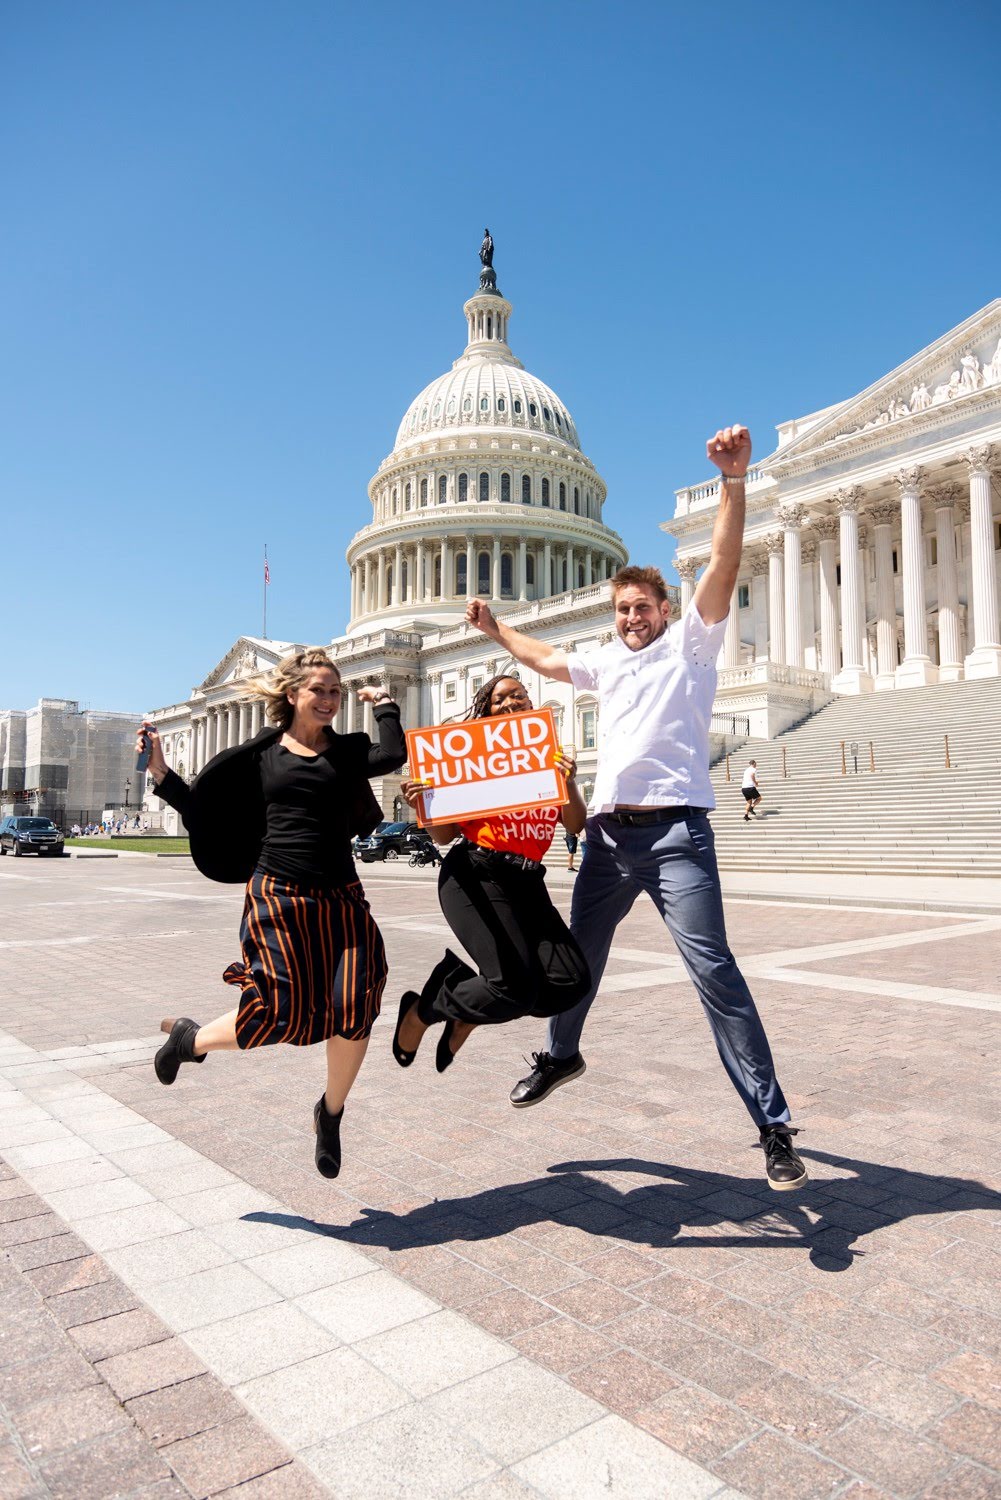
x: 147, y: 845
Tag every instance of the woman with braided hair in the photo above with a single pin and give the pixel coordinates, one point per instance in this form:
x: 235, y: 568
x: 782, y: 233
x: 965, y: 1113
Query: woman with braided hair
x: 493, y: 895
x: 278, y: 813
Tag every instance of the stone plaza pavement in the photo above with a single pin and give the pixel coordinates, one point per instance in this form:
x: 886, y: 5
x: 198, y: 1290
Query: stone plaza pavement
x: 598, y: 1296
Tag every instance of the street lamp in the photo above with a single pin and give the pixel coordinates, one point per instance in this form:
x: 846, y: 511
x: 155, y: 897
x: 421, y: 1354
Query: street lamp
x: 128, y: 785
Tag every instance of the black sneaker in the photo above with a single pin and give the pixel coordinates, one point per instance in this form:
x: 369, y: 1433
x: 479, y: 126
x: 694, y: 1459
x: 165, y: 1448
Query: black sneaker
x: 548, y: 1074
x: 783, y: 1164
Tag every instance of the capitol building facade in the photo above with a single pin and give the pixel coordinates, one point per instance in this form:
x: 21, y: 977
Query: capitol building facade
x: 871, y: 561
x: 872, y: 549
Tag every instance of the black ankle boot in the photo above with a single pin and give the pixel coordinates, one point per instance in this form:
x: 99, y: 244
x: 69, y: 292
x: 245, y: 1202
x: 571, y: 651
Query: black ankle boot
x: 328, y: 1138
x: 178, y: 1048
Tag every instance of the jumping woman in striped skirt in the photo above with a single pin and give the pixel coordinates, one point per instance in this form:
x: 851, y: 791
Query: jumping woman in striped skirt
x: 278, y: 812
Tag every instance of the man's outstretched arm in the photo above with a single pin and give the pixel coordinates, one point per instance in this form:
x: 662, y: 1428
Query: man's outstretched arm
x: 536, y: 655
x: 730, y: 451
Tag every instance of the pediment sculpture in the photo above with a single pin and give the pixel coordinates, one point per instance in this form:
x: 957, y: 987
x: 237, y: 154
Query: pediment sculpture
x: 970, y: 376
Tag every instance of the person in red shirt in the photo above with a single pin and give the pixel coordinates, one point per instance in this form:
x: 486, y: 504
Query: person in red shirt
x: 493, y: 894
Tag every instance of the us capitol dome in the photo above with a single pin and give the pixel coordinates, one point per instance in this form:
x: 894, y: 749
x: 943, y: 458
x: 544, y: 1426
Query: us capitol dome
x: 486, y: 492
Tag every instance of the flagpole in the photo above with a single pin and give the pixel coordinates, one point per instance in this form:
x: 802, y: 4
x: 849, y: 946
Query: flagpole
x: 265, y: 630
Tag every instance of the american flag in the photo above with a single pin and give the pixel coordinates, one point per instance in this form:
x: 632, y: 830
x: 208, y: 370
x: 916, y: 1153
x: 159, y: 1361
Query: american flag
x: 267, y: 570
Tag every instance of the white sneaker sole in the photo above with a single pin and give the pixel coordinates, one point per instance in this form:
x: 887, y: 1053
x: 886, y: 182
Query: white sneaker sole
x: 540, y: 1098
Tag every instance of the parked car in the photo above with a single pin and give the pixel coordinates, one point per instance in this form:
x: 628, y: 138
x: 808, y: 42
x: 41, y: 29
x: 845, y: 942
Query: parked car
x: 391, y: 841
x: 30, y: 836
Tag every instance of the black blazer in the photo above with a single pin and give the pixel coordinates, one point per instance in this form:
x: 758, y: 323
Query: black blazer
x: 223, y: 808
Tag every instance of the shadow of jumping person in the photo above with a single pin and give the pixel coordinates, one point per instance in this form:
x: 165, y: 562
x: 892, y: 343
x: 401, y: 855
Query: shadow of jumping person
x: 826, y: 1220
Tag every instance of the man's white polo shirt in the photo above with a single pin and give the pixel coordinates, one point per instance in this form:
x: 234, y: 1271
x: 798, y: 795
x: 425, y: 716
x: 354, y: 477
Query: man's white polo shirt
x: 655, y: 707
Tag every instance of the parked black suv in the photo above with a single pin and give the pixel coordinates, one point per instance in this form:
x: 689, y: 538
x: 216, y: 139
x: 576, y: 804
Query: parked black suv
x: 30, y: 836
x: 391, y: 841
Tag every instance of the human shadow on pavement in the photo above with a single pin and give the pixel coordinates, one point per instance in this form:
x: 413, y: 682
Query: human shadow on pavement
x: 825, y: 1219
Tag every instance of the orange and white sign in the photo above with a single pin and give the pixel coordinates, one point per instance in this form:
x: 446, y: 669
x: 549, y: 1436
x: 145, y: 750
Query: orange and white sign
x: 479, y: 766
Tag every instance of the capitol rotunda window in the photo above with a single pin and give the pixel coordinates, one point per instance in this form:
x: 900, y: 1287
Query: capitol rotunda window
x: 463, y: 488
x: 526, y: 489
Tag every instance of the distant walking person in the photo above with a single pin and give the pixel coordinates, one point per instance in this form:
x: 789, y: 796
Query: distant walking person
x: 572, y: 842
x: 278, y: 813
x: 749, y: 787
x: 648, y: 832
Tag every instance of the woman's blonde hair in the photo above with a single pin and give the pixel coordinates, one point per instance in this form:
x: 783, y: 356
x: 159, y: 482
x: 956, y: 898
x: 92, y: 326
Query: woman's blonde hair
x: 290, y: 674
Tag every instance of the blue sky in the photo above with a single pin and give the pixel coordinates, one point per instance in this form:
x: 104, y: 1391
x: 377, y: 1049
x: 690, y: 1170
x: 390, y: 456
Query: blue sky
x: 238, y: 236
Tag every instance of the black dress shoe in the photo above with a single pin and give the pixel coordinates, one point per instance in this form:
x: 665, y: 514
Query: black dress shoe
x: 783, y: 1164
x: 177, y: 1048
x: 444, y: 1057
x: 409, y: 1000
x: 328, y: 1138
x: 548, y: 1074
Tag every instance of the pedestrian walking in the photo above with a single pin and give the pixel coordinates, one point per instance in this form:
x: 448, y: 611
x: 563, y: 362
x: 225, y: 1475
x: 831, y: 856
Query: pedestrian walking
x: 278, y: 813
x: 493, y: 895
x: 571, y: 840
x: 648, y: 831
x: 749, y: 787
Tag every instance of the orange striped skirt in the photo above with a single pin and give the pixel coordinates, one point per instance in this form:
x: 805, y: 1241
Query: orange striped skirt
x: 313, y: 966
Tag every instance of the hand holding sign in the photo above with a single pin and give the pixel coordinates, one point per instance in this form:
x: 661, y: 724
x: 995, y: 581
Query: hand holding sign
x: 486, y: 766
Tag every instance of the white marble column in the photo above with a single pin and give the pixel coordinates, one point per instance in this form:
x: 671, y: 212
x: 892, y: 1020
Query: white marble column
x: 417, y: 590
x: 571, y: 567
x: 732, y: 653
x: 446, y: 563
x: 522, y: 570
x: 950, y: 660
x: 792, y: 517
x: 883, y: 517
x: 495, y: 571
x: 774, y: 545
x: 380, y: 578
x: 256, y: 717
x: 411, y: 707
x: 853, y: 677
x: 244, y: 729
x: 588, y: 569
x: 759, y: 605
x: 547, y: 571
x: 826, y: 529
x: 808, y: 600
x: 471, y: 579
x: 917, y: 667
x: 687, y: 568
x: 350, y: 706
x: 985, y: 658
x: 367, y: 588
x: 397, y: 573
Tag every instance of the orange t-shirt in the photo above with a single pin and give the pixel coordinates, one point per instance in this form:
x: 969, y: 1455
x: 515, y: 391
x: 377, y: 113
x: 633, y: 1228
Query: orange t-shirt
x: 527, y: 833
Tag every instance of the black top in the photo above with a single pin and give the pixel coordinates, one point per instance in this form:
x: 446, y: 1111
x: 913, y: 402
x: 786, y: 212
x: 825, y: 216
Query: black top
x: 224, y: 809
x: 307, y: 838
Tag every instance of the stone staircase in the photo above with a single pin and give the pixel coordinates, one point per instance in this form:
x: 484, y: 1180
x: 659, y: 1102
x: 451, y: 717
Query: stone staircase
x: 911, y: 816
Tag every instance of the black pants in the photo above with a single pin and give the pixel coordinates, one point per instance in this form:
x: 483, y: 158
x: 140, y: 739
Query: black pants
x: 529, y: 965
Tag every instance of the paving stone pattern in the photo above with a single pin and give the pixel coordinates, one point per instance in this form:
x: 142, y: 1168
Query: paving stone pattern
x: 616, y: 1246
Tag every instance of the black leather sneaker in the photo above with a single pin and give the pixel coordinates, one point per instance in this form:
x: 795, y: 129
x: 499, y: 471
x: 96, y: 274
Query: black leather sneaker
x: 783, y: 1164
x: 549, y: 1073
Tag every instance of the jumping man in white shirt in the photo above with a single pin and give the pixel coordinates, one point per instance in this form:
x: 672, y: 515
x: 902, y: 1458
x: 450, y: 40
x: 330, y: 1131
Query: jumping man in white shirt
x: 647, y: 830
